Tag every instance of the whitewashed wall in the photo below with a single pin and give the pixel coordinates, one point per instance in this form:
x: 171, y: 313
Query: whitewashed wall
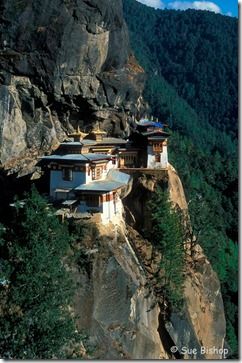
x: 151, y: 163
x: 57, y: 182
x: 107, y: 210
x: 164, y: 157
x: 111, y: 211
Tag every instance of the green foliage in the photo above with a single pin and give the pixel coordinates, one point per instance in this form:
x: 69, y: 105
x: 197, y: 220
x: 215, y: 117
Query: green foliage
x: 35, y: 319
x: 167, y: 235
x: 190, y: 58
x: 232, y: 256
x: 223, y: 254
x: 232, y: 339
x: 190, y: 50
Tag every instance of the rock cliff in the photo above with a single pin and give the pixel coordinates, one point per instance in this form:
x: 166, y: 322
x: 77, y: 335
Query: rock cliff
x: 115, y: 308
x: 62, y: 63
x: 118, y: 300
x: 68, y: 62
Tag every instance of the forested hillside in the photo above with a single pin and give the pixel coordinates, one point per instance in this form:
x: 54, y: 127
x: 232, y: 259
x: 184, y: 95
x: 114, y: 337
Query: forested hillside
x: 190, y: 58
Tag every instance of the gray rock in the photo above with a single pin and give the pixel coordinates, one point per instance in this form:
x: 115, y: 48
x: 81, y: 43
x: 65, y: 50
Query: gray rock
x: 114, y: 307
x: 72, y: 56
x: 12, y: 125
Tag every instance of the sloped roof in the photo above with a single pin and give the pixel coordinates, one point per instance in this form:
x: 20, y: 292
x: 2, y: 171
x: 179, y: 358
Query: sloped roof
x: 118, y: 176
x: 100, y: 186
x: 82, y: 158
x: 146, y: 122
x: 89, y: 142
x: 79, y: 143
x: 114, y: 180
x: 111, y: 140
x: 156, y: 133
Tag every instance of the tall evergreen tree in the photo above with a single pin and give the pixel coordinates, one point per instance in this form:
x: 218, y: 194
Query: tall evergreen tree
x: 35, y: 320
x: 167, y: 236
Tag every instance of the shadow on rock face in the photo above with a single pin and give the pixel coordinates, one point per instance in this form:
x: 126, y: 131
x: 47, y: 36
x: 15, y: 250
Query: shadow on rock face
x: 64, y: 63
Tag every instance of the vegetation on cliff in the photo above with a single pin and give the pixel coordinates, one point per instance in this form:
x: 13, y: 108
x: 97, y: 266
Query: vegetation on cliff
x: 190, y: 58
x: 36, y: 289
x: 168, y: 237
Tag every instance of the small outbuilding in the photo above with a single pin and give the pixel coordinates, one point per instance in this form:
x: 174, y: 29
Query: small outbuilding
x: 90, y: 182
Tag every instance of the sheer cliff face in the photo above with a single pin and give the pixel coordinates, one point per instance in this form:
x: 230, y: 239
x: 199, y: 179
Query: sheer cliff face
x: 114, y: 304
x: 63, y: 63
x: 118, y: 302
x: 202, y: 322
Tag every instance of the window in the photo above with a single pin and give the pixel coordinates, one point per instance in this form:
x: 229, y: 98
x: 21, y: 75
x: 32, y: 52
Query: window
x: 92, y: 200
x: 67, y: 174
x: 93, y: 174
x: 99, y: 172
x: 157, y: 147
x: 157, y: 158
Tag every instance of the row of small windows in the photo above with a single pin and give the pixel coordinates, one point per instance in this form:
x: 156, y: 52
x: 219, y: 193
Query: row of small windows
x: 157, y: 144
x: 157, y: 147
x: 67, y: 173
x: 130, y: 157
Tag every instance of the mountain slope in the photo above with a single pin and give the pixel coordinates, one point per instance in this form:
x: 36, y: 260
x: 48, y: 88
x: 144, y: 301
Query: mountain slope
x: 191, y: 63
x: 196, y: 52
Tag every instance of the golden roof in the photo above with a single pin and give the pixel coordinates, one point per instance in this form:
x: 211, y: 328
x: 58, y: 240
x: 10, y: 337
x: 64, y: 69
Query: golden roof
x: 98, y: 131
x: 78, y: 132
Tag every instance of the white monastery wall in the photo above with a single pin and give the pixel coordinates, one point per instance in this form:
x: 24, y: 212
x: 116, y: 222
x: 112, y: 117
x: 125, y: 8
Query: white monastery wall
x: 57, y: 181
x: 112, y: 211
x: 150, y: 157
x: 152, y: 163
x: 164, y: 157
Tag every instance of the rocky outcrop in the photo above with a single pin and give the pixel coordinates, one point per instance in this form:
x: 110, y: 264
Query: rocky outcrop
x: 115, y: 308
x: 199, y: 332
x: 202, y: 328
x: 204, y: 321
x: 175, y: 187
x: 119, y: 301
x: 25, y: 131
x: 61, y: 64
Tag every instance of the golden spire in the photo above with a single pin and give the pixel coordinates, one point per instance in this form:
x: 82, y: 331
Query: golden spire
x: 78, y: 134
x: 97, y: 133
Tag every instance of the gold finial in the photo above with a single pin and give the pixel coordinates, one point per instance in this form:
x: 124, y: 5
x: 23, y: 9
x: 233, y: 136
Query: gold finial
x: 97, y: 133
x: 97, y: 130
x: 78, y: 134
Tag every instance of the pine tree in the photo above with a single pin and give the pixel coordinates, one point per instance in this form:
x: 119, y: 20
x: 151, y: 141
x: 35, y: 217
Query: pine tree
x: 35, y: 320
x: 167, y: 236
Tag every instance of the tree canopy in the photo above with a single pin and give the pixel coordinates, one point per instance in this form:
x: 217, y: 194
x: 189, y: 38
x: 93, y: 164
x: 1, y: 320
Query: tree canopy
x: 168, y: 237
x: 36, y: 288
